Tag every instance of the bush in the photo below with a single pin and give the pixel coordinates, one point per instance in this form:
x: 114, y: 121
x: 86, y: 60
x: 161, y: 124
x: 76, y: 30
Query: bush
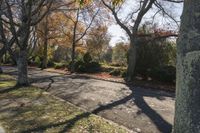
x: 116, y: 64
x: 155, y: 53
x: 80, y: 66
x: 124, y: 74
x: 164, y: 74
x: 50, y: 63
x: 87, y: 58
x: 91, y: 67
x: 59, y: 65
x: 86, y: 65
x: 118, y: 72
x: 115, y: 72
x: 94, y: 66
x: 37, y: 61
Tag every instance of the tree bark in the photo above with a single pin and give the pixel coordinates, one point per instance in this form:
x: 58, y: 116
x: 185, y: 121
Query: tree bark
x: 22, y: 69
x: 187, y: 107
x: 1, y: 70
x: 73, y: 54
x: 132, y: 56
x: 45, y: 60
x: 45, y: 52
x: 73, y: 57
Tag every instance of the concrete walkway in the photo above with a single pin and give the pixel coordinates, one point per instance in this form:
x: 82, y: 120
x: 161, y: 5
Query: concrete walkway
x: 139, y: 109
x: 2, y: 130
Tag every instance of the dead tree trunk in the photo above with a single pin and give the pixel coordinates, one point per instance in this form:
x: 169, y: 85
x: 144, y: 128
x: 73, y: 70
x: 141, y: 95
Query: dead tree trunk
x: 187, y: 110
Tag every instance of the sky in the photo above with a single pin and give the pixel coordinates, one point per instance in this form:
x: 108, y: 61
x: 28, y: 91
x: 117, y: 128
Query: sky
x: 119, y: 35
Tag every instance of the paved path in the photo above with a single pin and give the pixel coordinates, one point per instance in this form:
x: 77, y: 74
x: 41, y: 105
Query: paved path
x: 2, y: 130
x: 142, y: 110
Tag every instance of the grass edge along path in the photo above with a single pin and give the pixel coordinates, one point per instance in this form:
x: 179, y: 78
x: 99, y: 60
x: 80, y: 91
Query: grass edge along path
x: 30, y: 109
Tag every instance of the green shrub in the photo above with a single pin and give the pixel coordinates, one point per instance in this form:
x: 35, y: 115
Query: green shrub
x: 115, y: 72
x: 154, y: 54
x: 164, y: 73
x: 91, y: 67
x: 123, y: 73
x: 86, y: 65
x: 37, y: 61
x: 50, y: 63
x: 80, y: 66
x: 87, y: 58
x: 59, y: 65
x: 118, y: 72
x: 94, y: 66
x: 116, y: 64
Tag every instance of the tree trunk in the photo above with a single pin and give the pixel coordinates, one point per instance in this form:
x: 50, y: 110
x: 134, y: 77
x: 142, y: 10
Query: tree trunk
x: 73, y: 58
x: 22, y: 69
x: 5, y: 58
x: 187, y: 108
x: 132, y: 53
x: 45, y: 52
x: 1, y: 70
x: 2, y: 51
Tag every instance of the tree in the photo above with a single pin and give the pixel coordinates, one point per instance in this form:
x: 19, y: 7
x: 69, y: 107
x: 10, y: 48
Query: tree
x: 187, y: 110
x: 131, y: 25
x: 120, y: 54
x: 85, y: 17
x: 50, y: 29
x: 98, y: 41
x: 20, y: 16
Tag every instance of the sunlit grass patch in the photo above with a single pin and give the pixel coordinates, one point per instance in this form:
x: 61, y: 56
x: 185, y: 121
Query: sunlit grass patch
x: 7, y: 84
x: 30, y: 109
x: 6, y: 77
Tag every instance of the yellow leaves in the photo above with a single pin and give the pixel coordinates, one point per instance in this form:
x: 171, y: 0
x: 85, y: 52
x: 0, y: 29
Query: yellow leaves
x: 83, y: 2
x: 117, y: 2
x: 81, y: 50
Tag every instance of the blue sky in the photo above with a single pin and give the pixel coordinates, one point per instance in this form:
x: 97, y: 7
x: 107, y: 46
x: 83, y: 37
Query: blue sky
x: 118, y: 34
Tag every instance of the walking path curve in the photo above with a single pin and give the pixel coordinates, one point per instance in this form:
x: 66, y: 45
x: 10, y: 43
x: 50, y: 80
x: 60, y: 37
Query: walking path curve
x: 139, y: 109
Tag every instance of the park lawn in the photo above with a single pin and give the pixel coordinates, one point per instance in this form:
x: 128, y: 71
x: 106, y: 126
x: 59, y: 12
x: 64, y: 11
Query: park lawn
x: 30, y: 109
x: 4, y: 77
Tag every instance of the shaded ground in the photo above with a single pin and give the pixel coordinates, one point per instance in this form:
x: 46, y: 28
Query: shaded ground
x: 32, y: 110
x: 139, y: 109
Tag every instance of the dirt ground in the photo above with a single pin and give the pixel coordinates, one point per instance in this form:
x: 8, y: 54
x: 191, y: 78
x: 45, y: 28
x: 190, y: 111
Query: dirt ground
x: 139, y: 109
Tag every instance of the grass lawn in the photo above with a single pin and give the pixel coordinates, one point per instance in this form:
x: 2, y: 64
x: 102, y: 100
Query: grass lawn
x: 4, y: 77
x: 29, y: 109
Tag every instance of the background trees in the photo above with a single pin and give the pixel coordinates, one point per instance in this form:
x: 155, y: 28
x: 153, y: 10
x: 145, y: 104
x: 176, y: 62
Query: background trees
x: 97, y: 42
x: 71, y: 27
x: 120, y: 54
x: 24, y: 23
x: 131, y: 24
x: 19, y: 17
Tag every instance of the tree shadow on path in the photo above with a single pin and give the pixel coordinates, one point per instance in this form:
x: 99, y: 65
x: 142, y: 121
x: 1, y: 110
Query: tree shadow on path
x: 137, y: 96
